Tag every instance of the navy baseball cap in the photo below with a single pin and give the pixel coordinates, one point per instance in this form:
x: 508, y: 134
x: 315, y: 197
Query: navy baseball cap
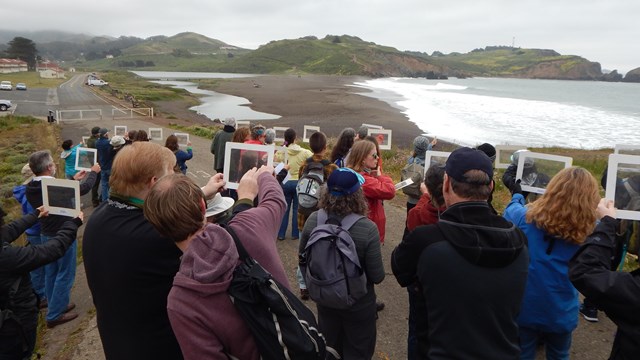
x: 344, y: 181
x: 464, y: 159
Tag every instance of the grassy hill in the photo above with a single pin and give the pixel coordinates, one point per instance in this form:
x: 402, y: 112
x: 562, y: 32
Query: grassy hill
x: 191, y: 42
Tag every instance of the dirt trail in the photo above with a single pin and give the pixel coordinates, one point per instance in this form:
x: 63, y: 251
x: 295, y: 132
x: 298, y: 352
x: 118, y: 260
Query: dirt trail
x: 79, y: 339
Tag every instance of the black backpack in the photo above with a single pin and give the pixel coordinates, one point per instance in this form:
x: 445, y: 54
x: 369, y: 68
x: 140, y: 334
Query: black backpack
x: 282, y: 326
x: 309, y: 186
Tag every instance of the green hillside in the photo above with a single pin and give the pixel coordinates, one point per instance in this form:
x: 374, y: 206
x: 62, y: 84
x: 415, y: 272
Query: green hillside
x: 192, y: 42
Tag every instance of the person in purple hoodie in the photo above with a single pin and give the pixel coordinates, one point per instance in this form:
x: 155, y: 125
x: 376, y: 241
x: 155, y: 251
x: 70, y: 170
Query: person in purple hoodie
x: 202, y: 315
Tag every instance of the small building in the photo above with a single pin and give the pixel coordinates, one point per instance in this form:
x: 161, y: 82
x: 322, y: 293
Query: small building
x: 50, y: 70
x: 12, y: 65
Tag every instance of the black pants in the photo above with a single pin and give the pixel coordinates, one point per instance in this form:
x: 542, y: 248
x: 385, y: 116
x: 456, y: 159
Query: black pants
x: 352, y: 333
x: 95, y: 191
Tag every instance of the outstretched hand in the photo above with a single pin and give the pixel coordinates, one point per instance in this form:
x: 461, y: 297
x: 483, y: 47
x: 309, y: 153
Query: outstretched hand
x: 606, y: 208
x: 248, y: 185
x: 80, y: 175
x: 515, y: 187
x: 42, y: 212
x: 215, y: 184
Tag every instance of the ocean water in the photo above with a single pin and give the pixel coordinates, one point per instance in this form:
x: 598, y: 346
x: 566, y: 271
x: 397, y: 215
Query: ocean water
x: 577, y: 114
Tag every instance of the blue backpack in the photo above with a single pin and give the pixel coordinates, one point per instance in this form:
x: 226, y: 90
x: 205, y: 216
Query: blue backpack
x: 330, y: 264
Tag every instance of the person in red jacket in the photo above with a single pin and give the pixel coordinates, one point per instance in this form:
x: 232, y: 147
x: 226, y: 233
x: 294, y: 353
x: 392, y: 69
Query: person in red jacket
x: 377, y: 187
x: 431, y: 204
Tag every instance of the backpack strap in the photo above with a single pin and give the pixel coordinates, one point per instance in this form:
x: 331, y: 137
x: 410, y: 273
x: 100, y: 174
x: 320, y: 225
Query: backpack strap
x: 346, y: 223
x: 242, y: 252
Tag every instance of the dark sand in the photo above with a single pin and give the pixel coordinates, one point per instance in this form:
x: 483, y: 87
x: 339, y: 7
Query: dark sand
x: 320, y: 100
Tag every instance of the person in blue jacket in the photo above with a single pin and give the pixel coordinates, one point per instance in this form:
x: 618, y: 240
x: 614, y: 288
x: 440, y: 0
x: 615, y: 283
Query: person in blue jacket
x: 555, y: 224
x: 181, y: 156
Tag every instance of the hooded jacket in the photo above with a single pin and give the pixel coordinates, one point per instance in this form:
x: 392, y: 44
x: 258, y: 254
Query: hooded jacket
x: 377, y: 189
x: 550, y: 302
x: 202, y: 316
x: 423, y: 213
x: 472, y: 267
x: 20, y: 194
x: 218, y: 145
x: 615, y: 292
x: 297, y: 156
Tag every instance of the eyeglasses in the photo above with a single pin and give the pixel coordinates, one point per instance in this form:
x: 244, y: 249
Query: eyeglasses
x: 375, y: 156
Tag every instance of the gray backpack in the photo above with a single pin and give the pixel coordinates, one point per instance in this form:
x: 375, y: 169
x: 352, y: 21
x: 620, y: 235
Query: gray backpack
x: 330, y: 264
x: 308, y: 187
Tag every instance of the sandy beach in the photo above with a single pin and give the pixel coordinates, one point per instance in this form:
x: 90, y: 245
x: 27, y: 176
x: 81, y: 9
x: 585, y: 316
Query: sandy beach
x: 320, y: 100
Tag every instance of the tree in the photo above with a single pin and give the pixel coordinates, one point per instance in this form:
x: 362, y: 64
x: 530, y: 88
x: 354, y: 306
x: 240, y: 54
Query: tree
x: 23, y: 49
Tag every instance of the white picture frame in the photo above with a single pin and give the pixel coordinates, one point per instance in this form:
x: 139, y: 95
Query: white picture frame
x: 430, y: 159
x: 183, y: 139
x: 383, y: 136
x: 120, y: 130
x: 627, y: 149
x: 86, y: 158
x: 612, y: 186
x: 235, y: 165
x: 243, y: 123
x: 308, y: 131
x: 503, y: 151
x: 371, y: 126
x: 61, y: 197
x: 84, y: 140
x: 527, y: 182
x: 279, y: 133
x: 155, y: 134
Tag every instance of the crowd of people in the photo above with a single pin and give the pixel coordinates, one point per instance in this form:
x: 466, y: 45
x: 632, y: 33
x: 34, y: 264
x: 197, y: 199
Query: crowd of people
x: 159, y: 255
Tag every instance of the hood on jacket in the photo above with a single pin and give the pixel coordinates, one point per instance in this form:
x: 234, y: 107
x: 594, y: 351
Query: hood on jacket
x: 294, y: 149
x: 207, y: 265
x: 480, y: 237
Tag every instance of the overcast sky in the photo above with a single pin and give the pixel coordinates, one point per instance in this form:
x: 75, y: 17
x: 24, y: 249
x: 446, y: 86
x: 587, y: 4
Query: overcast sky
x: 606, y: 31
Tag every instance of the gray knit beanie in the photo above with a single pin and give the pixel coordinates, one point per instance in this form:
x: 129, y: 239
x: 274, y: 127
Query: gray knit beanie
x: 420, y: 145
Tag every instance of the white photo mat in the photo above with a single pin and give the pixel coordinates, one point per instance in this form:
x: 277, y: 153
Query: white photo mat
x: 120, y: 130
x: 243, y: 123
x: 371, y: 126
x: 279, y: 133
x: 86, y: 158
x: 431, y: 156
x: 564, y: 160
x: 615, y: 160
x: 385, y: 144
x: 233, y: 160
x: 155, y: 134
x: 308, y: 131
x: 183, y: 139
x: 61, y: 197
x: 502, y: 150
x: 627, y: 149
x: 84, y: 140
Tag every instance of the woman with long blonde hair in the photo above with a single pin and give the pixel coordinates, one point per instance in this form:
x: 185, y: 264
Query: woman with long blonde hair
x: 555, y: 224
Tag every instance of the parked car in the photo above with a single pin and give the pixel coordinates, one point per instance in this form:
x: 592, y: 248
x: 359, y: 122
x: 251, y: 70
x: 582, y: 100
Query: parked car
x: 21, y: 86
x: 5, y: 105
x: 6, y: 85
x: 96, y: 82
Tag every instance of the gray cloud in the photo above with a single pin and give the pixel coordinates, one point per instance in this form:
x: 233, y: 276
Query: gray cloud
x: 603, y: 31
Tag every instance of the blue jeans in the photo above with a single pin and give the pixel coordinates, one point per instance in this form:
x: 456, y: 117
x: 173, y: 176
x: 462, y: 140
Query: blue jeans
x: 37, y: 275
x: 59, y: 278
x: 300, y: 278
x: 104, y: 180
x: 291, y: 197
x: 556, y: 345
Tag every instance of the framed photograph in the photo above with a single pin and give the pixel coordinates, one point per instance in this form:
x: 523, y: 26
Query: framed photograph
x: 535, y: 170
x: 155, y: 134
x: 623, y: 183
x: 383, y: 136
x: 86, y: 158
x: 279, y: 133
x: 120, y: 130
x: 243, y: 123
x: 308, y: 131
x: 183, y: 139
x: 84, y: 140
x: 626, y: 149
x: 438, y: 158
x: 503, y: 155
x: 240, y: 158
x: 371, y: 126
x: 61, y: 197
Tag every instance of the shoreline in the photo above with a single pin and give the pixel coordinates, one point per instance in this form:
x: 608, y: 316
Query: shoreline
x: 327, y: 101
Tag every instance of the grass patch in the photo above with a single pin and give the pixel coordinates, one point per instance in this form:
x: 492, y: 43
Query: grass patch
x: 205, y: 131
x: 124, y: 83
x: 32, y: 79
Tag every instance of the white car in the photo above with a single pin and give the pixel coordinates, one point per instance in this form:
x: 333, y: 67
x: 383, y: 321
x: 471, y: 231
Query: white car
x: 6, y: 85
x: 5, y: 105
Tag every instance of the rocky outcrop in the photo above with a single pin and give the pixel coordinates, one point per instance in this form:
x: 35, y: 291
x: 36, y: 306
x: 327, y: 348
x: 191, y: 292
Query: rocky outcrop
x: 632, y: 76
x: 565, y: 69
x: 612, y: 76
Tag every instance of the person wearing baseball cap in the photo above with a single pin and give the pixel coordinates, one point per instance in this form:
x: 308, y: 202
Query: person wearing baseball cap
x: 105, y: 159
x: 471, y: 265
x: 91, y: 143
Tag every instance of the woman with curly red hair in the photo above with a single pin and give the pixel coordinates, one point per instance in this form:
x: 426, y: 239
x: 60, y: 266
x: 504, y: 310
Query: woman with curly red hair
x: 555, y: 224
